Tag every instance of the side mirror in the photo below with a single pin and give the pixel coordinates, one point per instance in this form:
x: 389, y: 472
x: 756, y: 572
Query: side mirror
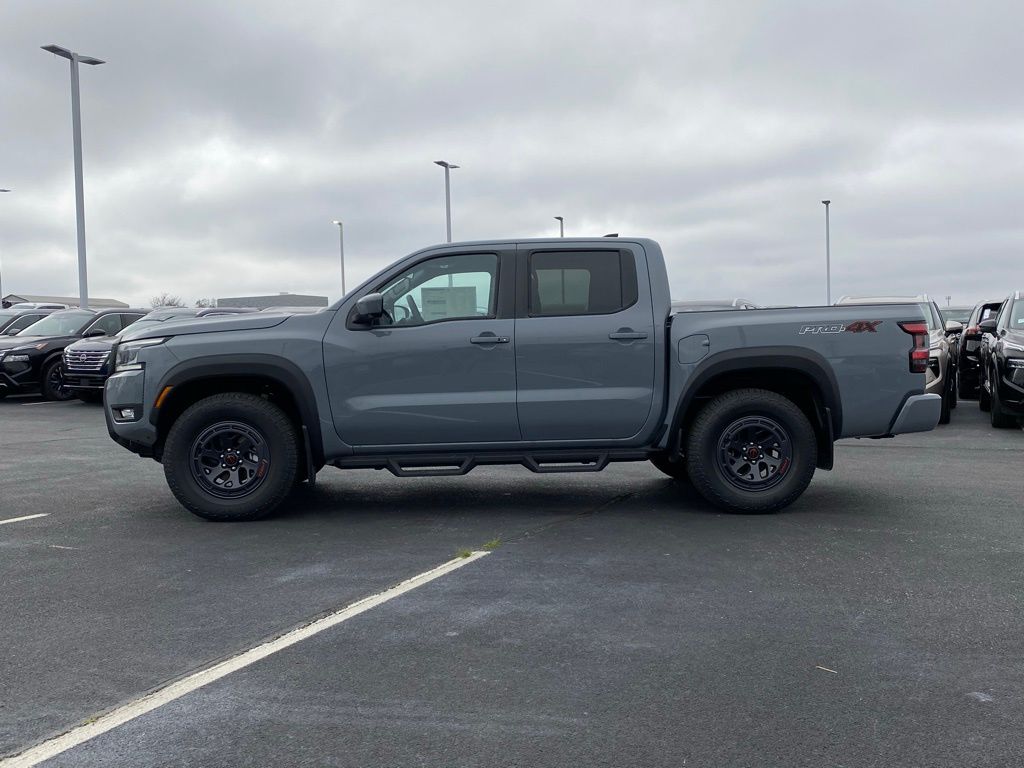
x: 95, y: 332
x: 369, y: 308
x: 952, y: 326
x: 987, y: 326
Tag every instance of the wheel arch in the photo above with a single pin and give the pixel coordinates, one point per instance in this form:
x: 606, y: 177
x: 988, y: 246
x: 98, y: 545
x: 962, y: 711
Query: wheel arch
x: 799, y: 375
x: 278, y: 380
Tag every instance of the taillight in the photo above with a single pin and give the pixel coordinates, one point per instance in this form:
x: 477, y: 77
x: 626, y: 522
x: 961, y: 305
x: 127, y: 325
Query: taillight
x: 919, y: 352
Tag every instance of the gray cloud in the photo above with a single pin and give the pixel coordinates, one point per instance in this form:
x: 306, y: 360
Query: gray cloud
x: 222, y: 138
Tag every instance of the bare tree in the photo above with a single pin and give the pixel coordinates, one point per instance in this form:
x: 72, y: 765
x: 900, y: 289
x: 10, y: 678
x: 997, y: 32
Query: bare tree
x: 206, y: 303
x: 166, y: 300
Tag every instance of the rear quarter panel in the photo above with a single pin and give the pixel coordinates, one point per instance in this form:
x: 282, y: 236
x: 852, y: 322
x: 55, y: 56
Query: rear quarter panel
x: 862, y: 350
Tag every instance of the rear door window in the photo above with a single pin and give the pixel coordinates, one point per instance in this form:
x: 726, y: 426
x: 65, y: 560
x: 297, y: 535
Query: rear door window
x: 581, y: 283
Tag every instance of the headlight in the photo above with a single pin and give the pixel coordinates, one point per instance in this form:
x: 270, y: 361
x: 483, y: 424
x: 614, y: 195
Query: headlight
x: 1015, y: 362
x: 128, y: 353
x: 9, y: 358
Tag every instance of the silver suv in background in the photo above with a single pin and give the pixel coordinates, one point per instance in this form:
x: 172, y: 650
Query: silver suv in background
x: 941, y: 378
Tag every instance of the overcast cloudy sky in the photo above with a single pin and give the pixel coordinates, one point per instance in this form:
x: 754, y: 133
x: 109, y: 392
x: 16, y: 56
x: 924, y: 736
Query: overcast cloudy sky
x: 221, y: 139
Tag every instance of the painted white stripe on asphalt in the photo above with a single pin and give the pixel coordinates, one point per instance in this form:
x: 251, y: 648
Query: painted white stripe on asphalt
x: 26, y: 517
x: 133, y: 709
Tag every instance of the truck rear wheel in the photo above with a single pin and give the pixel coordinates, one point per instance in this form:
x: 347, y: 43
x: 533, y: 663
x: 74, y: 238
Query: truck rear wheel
x: 751, y: 451
x: 231, y: 457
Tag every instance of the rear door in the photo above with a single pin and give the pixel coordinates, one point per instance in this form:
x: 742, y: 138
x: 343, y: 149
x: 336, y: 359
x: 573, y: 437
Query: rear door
x: 585, y: 342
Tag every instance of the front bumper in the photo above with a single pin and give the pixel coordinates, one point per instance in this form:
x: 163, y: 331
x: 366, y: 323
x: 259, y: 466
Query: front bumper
x: 20, y: 376
x: 127, y: 390
x: 920, y: 413
x: 79, y: 382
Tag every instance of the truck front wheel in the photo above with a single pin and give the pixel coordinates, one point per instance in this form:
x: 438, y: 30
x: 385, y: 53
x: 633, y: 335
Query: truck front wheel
x: 751, y: 451
x: 231, y: 457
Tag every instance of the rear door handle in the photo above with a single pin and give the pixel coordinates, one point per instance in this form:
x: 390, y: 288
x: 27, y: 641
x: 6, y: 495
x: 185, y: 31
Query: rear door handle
x: 489, y: 339
x: 625, y: 334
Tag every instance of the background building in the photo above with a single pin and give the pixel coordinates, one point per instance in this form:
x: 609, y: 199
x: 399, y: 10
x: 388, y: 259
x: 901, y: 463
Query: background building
x: 71, y: 301
x: 275, y: 300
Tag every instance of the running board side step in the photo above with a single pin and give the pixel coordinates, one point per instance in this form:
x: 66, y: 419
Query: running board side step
x: 450, y: 465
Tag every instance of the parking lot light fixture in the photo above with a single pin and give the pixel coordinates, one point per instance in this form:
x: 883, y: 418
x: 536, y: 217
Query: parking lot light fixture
x: 341, y: 243
x: 561, y: 225
x: 828, y: 258
x: 448, y: 168
x: 76, y: 128
x: 1, y: 266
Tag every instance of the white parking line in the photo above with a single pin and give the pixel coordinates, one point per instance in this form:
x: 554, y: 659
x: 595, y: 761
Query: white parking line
x: 26, y: 517
x: 170, y: 692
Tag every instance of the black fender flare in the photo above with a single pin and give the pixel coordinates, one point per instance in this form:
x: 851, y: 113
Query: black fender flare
x: 277, y: 369
x: 796, y: 359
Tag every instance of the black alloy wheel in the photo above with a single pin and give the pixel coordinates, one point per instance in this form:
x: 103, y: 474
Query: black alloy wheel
x: 53, y: 385
x: 230, y: 459
x: 754, y: 453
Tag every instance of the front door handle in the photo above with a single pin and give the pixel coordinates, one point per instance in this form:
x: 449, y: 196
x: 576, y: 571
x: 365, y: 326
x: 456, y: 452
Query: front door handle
x: 489, y: 338
x: 627, y: 334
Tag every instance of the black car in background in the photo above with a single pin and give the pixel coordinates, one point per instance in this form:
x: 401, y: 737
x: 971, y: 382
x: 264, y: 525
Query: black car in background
x: 968, y: 361
x: 1002, y: 364
x: 32, y: 361
x: 16, y: 319
x: 89, y: 361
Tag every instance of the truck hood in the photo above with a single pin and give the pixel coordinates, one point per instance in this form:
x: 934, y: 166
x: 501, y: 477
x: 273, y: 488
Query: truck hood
x: 218, y: 324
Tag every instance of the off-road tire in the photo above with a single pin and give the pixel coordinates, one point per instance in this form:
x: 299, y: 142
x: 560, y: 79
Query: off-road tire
x: 265, y: 417
x: 703, y: 442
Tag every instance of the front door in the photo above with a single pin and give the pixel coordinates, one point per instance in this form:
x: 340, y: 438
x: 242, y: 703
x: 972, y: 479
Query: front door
x: 440, y: 366
x: 585, y: 344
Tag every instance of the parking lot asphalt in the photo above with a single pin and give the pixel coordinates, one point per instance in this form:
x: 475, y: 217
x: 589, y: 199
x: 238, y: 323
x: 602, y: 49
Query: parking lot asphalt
x: 621, y: 621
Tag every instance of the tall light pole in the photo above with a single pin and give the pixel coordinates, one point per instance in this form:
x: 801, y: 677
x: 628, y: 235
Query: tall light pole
x: 76, y: 127
x: 828, y: 258
x: 341, y: 243
x: 561, y: 225
x: 1, y: 272
x: 448, y: 168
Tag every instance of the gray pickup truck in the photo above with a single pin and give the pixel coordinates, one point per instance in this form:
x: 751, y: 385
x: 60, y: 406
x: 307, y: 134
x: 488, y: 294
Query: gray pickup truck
x: 559, y: 355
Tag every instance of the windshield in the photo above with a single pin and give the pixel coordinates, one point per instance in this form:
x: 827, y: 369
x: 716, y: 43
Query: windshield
x: 59, y: 324
x: 959, y: 314
x: 1017, y: 316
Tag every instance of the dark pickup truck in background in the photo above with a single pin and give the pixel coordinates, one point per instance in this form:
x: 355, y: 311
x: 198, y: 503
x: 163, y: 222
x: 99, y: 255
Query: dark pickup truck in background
x: 560, y: 355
